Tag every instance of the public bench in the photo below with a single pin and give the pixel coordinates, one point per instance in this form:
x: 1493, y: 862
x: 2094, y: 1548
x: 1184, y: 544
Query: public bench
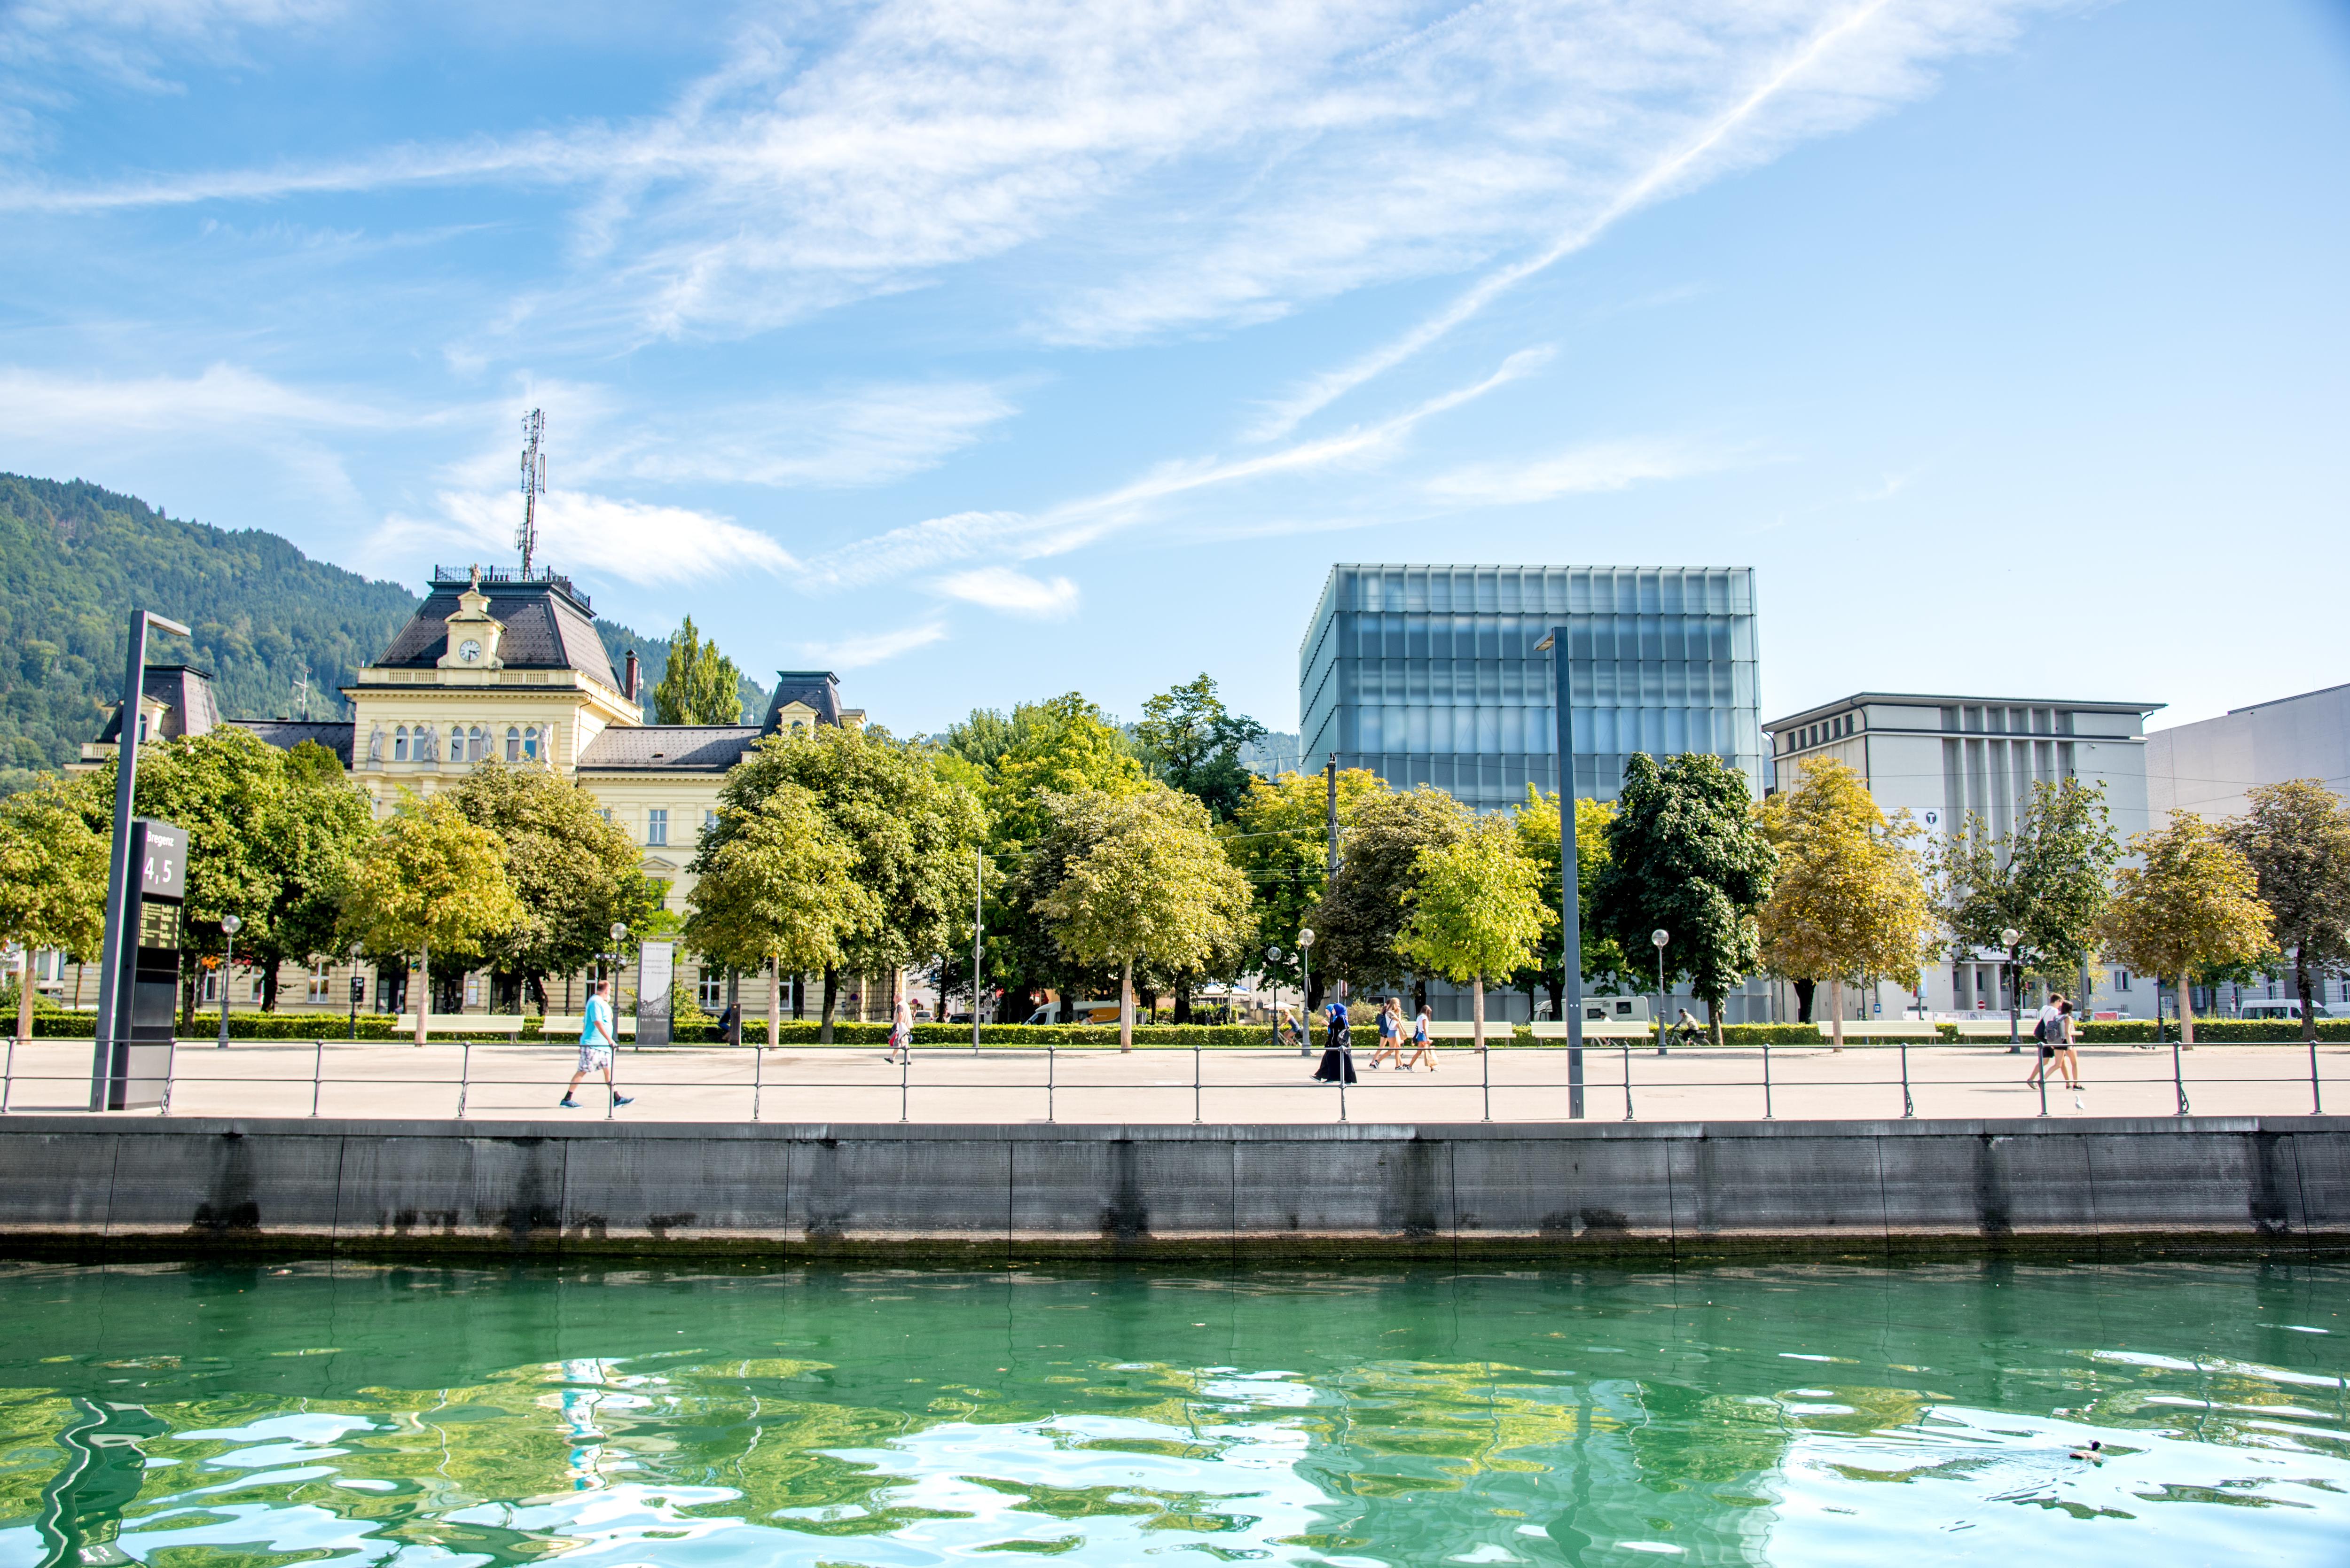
x: 567, y: 1027
x: 462, y: 1024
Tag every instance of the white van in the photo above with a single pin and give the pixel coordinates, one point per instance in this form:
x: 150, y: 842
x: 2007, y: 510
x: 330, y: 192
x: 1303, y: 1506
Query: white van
x: 2282, y: 1007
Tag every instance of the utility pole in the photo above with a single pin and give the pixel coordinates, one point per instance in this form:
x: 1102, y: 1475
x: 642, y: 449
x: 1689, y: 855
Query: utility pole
x: 1570, y: 867
x: 534, y: 486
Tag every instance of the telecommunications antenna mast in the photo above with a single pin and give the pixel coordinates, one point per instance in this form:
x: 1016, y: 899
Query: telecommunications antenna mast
x: 534, y: 484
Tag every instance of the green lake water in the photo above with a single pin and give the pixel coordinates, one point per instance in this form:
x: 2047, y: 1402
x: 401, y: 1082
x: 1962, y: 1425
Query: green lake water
x: 188, y: 1415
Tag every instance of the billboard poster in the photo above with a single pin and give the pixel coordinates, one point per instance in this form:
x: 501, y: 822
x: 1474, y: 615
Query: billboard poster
x: 656, y: 970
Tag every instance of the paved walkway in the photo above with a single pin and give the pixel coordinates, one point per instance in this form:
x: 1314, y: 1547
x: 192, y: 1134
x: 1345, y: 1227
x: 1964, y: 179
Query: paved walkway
x: 855, y: 1084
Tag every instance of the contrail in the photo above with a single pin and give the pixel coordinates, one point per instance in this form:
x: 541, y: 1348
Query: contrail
x: 1326, y: 390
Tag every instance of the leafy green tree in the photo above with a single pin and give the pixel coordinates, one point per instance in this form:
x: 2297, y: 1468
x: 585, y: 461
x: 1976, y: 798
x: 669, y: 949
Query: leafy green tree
x: 2048, y: 882
x: 2297, y: 836
x: 575, y: 875
x: 914, y: 831
x: 1849, y: 902
x: 432, y: 879
x: 700, y: 685
x: 2194, y: 900
x: 1603, y: 962
x: 1686, y: 854
x: 778, y: 887
x: 1193, y: 742
x: 321, y: 826
x: 52, y: 881
x: 1141, y: 873
x: 1280, y: 839
x: 1361, y: 917
x: 1476, y: 908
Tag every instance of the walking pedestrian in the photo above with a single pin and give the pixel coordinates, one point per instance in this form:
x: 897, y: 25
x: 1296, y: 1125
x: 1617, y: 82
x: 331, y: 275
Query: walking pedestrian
x: 901, y: 1032
x: 1390, y: 1034
x: 2048, y: 1029
x: 1421, y: 1052
x: 596, y: 1043
x: 2065, y: 1059
x: 1338, y: 1056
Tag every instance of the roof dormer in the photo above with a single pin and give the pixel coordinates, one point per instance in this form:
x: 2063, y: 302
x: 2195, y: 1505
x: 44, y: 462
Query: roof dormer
x: 474, y: 633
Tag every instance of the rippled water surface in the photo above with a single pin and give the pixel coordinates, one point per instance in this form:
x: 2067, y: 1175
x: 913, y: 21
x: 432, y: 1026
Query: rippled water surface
x: 188, y: 1415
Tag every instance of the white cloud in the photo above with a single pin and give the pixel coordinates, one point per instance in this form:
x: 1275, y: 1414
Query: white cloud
x: 857, y: 652
x: 1581, y: 470
x: 1013, y: 593
x: 223, y: 398
x: 641, y: 544
x: 868, y: 435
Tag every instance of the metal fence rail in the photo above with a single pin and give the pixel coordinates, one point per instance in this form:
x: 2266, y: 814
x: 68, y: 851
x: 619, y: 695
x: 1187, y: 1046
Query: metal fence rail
x: 744, y: 1084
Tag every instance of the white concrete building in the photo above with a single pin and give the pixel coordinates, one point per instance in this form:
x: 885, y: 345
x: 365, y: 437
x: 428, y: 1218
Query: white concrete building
x: 1941, y: 758
x: 2207, y: 767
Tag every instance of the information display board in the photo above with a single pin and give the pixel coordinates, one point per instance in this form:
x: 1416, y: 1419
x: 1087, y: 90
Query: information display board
x: 147, y: 993
x: 656, y: 971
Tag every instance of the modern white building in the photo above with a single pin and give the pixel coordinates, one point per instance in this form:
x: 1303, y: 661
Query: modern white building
x: 2208, y: 766
x: 1942, y: 758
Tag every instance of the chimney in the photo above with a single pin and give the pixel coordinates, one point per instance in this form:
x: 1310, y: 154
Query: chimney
x: 628, y: 687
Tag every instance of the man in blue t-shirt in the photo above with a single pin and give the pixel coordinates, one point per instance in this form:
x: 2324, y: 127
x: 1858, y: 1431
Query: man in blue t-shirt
x: 594, y: 1047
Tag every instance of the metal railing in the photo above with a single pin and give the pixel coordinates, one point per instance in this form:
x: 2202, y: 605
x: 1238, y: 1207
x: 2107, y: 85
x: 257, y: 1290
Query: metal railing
x: 732, y: 1081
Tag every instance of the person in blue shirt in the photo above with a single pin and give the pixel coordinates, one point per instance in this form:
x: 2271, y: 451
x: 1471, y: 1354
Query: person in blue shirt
x: 594, y: 1047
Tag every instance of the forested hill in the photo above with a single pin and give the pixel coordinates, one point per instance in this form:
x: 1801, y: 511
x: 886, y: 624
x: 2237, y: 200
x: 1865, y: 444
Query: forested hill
x: 74, y: 557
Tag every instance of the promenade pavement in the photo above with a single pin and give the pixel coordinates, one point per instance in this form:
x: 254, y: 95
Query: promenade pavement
x: 856, y: 1083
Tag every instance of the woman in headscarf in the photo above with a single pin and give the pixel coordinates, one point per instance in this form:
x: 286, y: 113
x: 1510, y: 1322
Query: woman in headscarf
x: 1338, y: 1056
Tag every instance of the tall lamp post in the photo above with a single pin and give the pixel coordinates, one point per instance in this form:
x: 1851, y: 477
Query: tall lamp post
x: 119, y: 869
x: 1271, y: 957
x: 619, y: 931
x: 230, y: 926
x: 1570, y: 867
x: 2012, y: 940
x: 1660, y: 936
x: 1305, y: 987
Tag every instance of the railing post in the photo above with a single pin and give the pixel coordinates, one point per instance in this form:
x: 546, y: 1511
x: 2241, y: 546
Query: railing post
x: 2044, y: 1084
x: 1628, y: 1078
x: 464, y: 1077
x: 317, y: 1074
x: 758, y: 1077
x: 1766, y: 1082
x: 2316, y: 1096
x: 1485, y: 1056
x: 1195, y: 1080
x: 2177, y: 1077
x: 171, y: 1071
x: 1345, y: 1065
x: 8, y: 1076
x: 1909, y: 1107
x: 1050, y: 1059
x: 905, y: 1077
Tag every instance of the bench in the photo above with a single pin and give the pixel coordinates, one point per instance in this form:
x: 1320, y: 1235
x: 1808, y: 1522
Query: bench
x: 567, y: 1027
x: 1881, y: 1029
x: 1597, y: 1029
x: 462, y: 1023
x: 1991, y: 1029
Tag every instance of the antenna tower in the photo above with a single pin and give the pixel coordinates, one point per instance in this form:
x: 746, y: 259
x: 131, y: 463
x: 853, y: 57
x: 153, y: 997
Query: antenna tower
x: 533, y: 483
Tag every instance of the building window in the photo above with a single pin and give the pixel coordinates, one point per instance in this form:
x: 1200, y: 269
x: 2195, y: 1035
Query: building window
x: 400, y: 744
x: 710, y: 991
x: 530, y: 742
x: 708, y: 820
x: 212, y: 985
x: 606, y: 813
x: 2121, y: 979
x: 321, y: 982
x: 513, y: 744
x: 477, y: 745
x: 657, y: 826
x: 456, y: 743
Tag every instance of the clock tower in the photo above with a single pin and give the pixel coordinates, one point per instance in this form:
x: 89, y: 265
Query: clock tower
x: 474, y: 633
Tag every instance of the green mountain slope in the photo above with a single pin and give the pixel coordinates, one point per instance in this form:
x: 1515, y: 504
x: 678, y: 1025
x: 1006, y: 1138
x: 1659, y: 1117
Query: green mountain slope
x: 74, y: 557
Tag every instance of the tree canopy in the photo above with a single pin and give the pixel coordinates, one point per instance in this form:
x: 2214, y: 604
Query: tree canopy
x: 1537, y: 825
x: 432, y: 879
x: 778, y: 885
x: 1475, y: 909
x: 2193, y: 900
x: 52, y: 879
x: 1193, y: 742
x: 699, y: 685
x: 2297, y: 837
x: 1362, y: 913
x: 2048, y: 881
x: 1280, y: 840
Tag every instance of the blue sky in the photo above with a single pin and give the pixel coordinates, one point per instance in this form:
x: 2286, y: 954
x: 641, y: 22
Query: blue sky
x: 983, y: 351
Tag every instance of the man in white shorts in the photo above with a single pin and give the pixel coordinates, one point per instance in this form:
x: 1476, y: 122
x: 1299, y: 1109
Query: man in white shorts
x: 594, y: 1047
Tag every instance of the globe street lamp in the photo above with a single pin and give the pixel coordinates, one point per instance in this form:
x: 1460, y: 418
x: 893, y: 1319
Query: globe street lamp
x: 230, y: 926
x: 1660, y: 936
x: 619, y: 931
x: 1306, y: 986
x: 2012, y: 939
x: 1272, y: 957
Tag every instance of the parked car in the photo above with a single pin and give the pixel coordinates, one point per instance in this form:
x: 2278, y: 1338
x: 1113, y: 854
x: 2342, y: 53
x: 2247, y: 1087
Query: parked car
x: 2282, y: 1007
x: 1094, y: 1011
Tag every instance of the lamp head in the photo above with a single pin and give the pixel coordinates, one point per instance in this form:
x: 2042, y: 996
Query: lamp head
x: 231, y: 924
x: 1272, y: 955
x: 1305, y: 938
x: 1661, y: 936
x: 2010, y: 937
x: 618, y: 930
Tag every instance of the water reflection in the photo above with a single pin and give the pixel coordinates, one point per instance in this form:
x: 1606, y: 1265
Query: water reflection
x: 175, y: 1414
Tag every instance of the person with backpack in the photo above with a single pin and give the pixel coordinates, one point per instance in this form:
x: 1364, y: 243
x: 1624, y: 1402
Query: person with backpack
x: 2047, y: 1029
x: 1337, y: 1057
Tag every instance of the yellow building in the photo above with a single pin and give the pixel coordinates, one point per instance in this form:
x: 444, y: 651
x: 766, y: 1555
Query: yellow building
x: 498, y: 665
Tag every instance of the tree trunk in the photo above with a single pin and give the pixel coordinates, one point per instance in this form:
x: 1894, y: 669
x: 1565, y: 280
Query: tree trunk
x: 1804, y: 990
x: 1477, y: 1009
x: 1126, y: 1007
x: 423, y: 989
x: 1556, y: 988
x: 799, y: 999
x: 2308, y: 1016
x: 1182, y: 1001
x: 2185, y: 1010
x: 24, y: 993
x: 831, y: 1002
x: 1835, y: 1012
x: 1714, y: 1019
x: 776, y: 999
x: 1419, y: 993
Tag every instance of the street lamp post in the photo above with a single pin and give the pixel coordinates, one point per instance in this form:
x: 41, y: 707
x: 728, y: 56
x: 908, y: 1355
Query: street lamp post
x: 1271, y: 957
x: 619, y: 931
x: 230, y: 926
x: 1660, y: 936
x: 2012, y: 940
x: 1570, y: 867
x: 1305, y: 987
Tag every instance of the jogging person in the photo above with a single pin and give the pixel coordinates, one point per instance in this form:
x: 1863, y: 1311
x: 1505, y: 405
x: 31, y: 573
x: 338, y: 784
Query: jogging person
x: 596, y: 1048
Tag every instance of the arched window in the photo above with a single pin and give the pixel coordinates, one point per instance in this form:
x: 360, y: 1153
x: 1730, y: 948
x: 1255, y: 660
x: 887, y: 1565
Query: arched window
x: 400, y: 744
x: 513, y: 744
x: 798, y: 728
x: 530, y: 742
x: 477, y: 745
x: 456, y: 752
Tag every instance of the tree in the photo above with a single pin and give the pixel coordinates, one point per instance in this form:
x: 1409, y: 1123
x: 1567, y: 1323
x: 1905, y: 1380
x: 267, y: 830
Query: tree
x: 1476, y: 908
x: 432, y: 879
x: 2048, y: 883
x: 1537, y: 825
x: 2193, y: 900
x: 1849, y: 900
x: 52, y: 881
x: 1191, y: 741
x: 1686, y: 854
x: 1141, y: 875
x: 575, y: 875
x: 1280, y: 839
x: 2297, y: 836
x: 913, y: 831
x: 321, y: 827
x: 777, y: 888
x: 699, y: 686
x: 1362, y: 913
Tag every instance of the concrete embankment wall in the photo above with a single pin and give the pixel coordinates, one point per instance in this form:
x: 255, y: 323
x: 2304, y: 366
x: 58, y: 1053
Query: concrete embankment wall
x: 85, y: 1186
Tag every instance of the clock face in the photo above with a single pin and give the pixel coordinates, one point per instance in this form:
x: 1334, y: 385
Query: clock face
x: 469, y: 650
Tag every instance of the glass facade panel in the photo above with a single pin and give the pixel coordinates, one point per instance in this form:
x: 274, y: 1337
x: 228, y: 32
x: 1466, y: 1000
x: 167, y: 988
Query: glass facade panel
x: 1427, y: 674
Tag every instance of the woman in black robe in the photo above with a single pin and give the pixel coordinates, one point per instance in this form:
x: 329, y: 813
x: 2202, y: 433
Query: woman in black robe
x: 1338, y: 1058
